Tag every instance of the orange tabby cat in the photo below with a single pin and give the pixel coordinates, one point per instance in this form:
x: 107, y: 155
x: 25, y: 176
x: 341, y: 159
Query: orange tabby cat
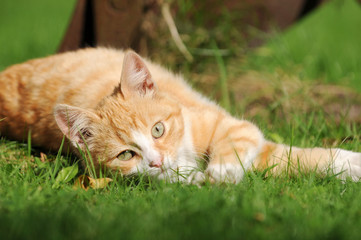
x: 136, y: 117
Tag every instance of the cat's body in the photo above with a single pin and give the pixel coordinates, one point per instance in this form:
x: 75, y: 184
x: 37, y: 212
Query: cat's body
x: 136, y: 117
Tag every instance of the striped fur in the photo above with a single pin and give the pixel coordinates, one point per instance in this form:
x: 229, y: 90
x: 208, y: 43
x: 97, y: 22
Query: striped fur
x: 109, y: 101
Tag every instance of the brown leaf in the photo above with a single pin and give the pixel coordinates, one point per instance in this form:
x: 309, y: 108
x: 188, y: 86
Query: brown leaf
x: 260, y: 217
x: 99, y: 182
x: 81, y: 182
x: 85, y: 182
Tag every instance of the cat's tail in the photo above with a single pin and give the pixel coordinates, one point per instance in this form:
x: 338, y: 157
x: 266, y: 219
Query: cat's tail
x: 279, y: 158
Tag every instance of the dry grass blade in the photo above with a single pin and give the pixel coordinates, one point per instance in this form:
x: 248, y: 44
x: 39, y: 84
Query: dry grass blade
x: 174, y: 32
x: 43, y: 157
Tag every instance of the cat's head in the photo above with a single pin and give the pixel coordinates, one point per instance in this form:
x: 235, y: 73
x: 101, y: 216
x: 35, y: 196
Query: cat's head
x: 135, y: 129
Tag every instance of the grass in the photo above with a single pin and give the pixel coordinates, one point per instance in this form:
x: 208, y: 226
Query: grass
x: 35, y: 204
x: 325, y: 45
x: 257, y: 208
x: 31, y: 29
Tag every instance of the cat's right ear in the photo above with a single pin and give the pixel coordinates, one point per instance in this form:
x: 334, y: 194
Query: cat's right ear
x: 75, y: 123
x: 136, y: 78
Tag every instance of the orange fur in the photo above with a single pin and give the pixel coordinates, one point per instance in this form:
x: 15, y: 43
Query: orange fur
x: 109, y: 102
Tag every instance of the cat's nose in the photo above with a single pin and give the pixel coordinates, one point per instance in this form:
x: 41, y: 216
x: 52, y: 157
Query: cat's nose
x: 156, y: 163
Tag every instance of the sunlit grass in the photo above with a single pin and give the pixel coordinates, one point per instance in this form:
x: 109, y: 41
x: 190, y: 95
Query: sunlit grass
x: 325, y: 45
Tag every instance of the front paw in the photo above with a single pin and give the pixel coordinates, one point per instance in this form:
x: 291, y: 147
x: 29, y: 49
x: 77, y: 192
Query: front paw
x: 225, y: 173
x: 348, y: 164
x: 196, y: 178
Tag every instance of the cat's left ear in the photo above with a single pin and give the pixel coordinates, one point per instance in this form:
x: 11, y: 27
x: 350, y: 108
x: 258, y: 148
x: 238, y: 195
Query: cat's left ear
x: 75, y: 123
x: 136, y: 78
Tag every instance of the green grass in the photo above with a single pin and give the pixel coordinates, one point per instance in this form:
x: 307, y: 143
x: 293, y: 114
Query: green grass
x: 325, y: 45
x: 35, y: 203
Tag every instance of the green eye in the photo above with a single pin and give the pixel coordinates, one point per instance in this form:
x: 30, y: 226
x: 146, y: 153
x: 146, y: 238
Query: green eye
x: 158, y: 130
x: 126, y: 155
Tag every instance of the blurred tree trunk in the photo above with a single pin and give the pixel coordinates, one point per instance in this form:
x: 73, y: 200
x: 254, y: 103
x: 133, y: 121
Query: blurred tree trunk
x: 113, y: 23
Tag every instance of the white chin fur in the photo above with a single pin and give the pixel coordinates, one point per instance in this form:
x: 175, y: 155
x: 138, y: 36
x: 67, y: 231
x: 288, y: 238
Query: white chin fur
x: 348, y: 164
x: 178, y: 170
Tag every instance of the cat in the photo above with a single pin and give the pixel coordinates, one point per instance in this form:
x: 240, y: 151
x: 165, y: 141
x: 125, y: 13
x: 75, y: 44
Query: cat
x: 136, y: 117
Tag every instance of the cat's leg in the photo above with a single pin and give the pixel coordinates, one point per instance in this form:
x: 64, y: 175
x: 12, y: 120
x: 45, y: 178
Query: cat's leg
x: 234, y: 146
x: 346, y: 164
x: 195, y: 177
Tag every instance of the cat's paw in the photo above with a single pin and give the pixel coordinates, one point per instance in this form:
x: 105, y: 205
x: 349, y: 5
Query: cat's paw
x: 348, y: 164
x: 228, y: 173
x: 196, y: 178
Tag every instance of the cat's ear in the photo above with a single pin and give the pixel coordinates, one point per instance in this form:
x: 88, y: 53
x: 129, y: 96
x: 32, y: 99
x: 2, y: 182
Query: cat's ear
x: 75, y: 123
x: 136, y: 78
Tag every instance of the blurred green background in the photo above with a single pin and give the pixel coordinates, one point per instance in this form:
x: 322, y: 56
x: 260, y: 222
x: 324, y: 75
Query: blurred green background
x: 30, y: 29
x: 326, y: 45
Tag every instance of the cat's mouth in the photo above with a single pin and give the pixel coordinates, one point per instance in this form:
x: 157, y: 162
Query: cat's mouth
x: 162, y: 172
x: 155, y: 171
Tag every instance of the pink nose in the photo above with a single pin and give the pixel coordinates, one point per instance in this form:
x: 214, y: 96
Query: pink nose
x: 156, y: 163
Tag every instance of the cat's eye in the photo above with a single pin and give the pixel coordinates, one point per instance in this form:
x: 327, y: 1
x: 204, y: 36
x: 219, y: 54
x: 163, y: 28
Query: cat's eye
x: 158, y: 130
x: 126, y: 155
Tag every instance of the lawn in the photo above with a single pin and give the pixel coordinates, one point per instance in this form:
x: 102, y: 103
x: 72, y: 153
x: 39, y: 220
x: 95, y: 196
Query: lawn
x: 323, y: 48
x: 323, y: 45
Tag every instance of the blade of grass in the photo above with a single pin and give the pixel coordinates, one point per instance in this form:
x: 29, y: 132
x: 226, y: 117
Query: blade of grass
x: 225, y: 100
x: 29, y: 143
